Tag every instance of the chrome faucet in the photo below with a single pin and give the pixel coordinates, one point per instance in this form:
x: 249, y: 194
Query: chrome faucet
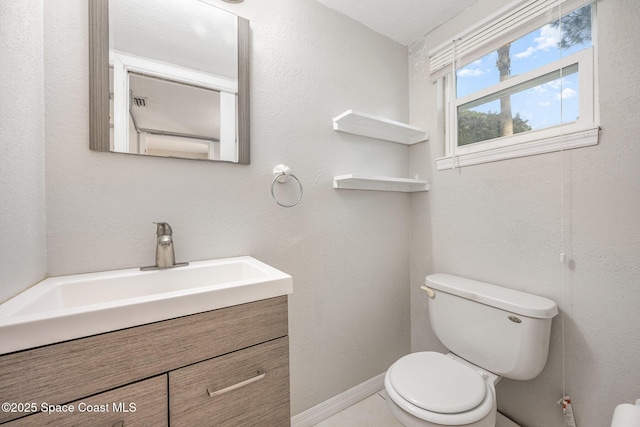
x: 165, y: 256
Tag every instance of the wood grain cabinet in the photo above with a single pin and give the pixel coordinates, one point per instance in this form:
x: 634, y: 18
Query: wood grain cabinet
x: 226, y: 367
x: 249, y: 387
x: 140, y: 404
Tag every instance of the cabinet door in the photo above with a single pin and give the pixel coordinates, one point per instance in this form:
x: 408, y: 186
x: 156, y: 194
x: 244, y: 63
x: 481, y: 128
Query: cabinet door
x: 68, y: 371
x: 142, y: 404
x: 245, y: 388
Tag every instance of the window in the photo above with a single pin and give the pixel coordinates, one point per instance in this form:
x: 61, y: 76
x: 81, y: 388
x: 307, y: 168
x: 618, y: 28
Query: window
x: 529, y: 89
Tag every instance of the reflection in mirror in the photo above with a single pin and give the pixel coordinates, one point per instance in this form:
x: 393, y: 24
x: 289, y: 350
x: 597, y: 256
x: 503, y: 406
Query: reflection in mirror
x: 169, y: 118
x: 177, y: 80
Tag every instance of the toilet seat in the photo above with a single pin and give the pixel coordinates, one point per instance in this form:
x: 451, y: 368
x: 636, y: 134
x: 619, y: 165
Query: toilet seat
x: 439, y: 389
x: 437, y: 383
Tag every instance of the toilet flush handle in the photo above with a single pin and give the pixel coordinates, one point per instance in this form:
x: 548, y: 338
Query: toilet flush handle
x: 429, y: 291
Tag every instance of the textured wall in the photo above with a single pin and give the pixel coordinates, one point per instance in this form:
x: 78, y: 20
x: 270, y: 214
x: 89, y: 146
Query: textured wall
x: 23, y: 259
x: 346, y: 250
x: 505, y: 223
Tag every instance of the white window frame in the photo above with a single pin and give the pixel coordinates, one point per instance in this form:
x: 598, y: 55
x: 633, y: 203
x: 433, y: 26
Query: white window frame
x: 581, y: 133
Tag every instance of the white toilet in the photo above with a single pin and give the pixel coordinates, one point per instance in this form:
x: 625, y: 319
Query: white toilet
x: 492, y: 332
x: 626, y: 415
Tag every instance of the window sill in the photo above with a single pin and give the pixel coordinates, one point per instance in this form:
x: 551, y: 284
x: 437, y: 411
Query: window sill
x: 583, y: 138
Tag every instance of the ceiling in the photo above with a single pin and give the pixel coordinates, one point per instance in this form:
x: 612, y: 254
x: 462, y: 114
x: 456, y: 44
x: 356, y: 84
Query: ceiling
x: 404, y: 21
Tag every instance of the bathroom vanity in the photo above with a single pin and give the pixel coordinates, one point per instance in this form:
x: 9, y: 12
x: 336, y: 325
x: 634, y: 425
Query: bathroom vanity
x: 224, y: 367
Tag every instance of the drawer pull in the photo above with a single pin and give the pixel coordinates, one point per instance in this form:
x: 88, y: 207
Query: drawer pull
x: 260, y: 376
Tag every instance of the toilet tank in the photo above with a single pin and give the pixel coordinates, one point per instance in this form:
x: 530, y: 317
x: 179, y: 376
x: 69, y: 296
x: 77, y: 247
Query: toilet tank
x: 501, y: 330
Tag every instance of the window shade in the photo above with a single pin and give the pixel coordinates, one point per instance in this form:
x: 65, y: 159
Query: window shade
x: 509, y: 23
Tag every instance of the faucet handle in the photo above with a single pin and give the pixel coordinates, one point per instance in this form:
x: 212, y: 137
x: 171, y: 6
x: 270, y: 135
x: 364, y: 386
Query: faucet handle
x: 164, y: 229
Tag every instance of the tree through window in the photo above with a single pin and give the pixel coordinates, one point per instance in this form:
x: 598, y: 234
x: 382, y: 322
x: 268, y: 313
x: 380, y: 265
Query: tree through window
x: 489, y: 107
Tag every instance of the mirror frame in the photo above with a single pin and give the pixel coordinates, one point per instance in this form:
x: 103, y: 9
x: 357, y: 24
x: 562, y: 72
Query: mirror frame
x: 99, y: 81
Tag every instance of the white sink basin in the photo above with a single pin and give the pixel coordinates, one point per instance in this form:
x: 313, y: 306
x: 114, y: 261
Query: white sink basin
x: 68, y: 307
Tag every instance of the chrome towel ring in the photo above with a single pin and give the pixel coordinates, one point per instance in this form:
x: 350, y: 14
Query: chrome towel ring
x: 282, y: 174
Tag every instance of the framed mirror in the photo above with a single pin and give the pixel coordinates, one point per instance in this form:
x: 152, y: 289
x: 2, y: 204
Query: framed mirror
x: 169, y: 78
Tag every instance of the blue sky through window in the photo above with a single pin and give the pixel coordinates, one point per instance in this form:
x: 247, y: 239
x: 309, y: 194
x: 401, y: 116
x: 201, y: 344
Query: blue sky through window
x: 540, y: 105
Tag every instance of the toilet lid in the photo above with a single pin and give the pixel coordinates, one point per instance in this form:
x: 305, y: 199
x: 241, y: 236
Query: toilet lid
x: 437, y: 383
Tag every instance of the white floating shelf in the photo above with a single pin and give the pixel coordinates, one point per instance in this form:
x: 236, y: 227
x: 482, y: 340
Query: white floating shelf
x: 378, y: 127
x: 379, y: 183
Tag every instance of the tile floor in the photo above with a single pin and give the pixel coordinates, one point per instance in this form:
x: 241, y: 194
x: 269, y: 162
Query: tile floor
x: 370, y: 412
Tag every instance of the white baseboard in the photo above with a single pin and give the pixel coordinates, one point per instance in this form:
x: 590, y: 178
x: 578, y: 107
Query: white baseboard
x: 502, y: 421
x: 332, y: 406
